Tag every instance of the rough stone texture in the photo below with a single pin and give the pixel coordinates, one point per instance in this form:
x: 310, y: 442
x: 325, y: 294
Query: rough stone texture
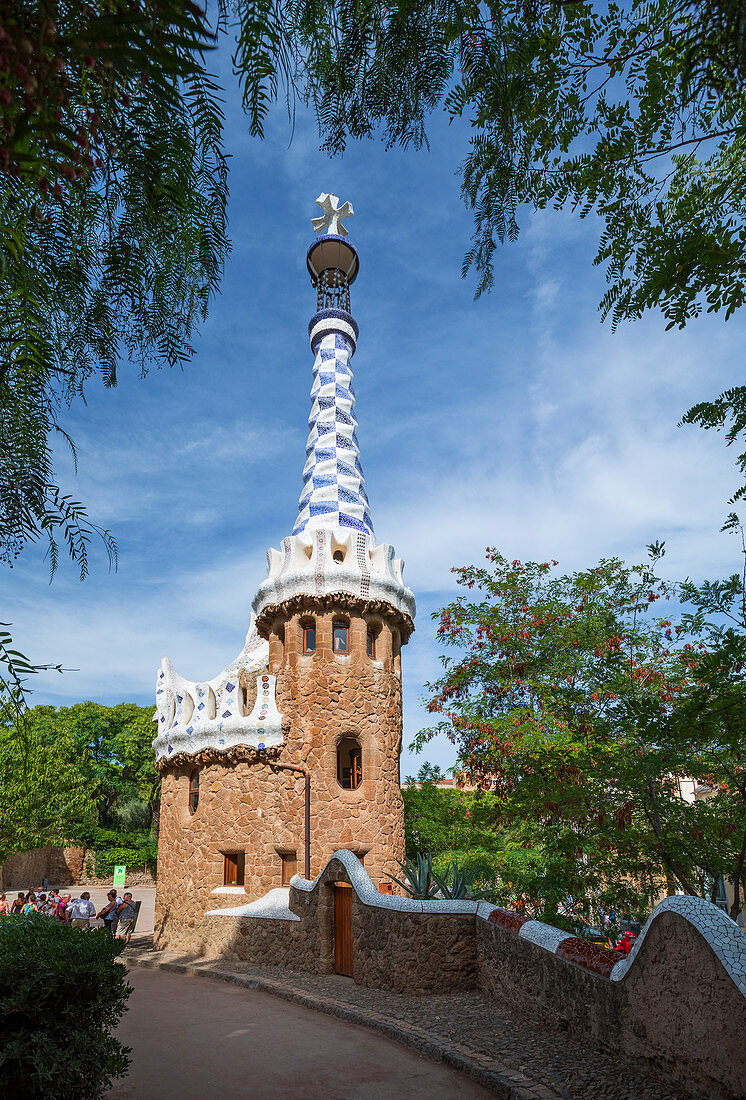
x: 676, y: 1008
x: 504, y: 1049
x: 401, y: 951
x: 62, y: 866
x: 683, y: 1010
x: 522, y: 973
x: 246, y: 806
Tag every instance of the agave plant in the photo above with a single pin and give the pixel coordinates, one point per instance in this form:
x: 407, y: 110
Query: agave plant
x: 421, y: 881
x: 461, y: 883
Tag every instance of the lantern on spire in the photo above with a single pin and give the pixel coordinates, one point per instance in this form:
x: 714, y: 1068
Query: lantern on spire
x: 331, y: 260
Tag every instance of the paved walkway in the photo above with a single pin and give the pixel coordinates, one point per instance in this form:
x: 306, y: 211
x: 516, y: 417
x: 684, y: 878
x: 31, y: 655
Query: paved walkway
x: 194, y: 1040
x: 492, y: 1043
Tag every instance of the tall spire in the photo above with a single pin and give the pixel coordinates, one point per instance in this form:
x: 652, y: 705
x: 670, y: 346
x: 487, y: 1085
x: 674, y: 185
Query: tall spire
x: 332, y: 553
x: 333, y: 493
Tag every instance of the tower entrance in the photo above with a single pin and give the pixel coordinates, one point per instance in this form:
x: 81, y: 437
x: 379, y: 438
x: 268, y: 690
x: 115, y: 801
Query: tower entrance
x: 343, y: 963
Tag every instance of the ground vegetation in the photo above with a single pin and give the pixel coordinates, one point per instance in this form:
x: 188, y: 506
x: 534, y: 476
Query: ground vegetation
x: 62, y: 994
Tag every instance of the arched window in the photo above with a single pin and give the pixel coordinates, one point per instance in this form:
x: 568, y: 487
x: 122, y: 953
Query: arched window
x: 349, y: 763
x: 194, y: 791
x: 341, y: 635
x: 309, y: 635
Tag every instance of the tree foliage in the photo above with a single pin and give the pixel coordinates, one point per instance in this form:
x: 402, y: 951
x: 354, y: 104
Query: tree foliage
x: 42, y: 790
x: 582, y: 710
x: 82, y: 774
x: 633, y: 112
x: 111, y: 749
x: 113, y: 189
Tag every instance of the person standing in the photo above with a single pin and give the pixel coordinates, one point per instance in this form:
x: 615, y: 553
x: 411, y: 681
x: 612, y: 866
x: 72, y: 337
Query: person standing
x: 17, y: 905
x: 60, y: 909
x: 126, y: 913
x: 3, y: 906
x: 80, y: 910
x: 49, y: 905
x: 109, y: 912
x: 29, y: 906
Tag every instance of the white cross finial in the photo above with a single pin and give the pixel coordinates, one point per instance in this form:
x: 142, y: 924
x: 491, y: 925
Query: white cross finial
x: 331, y: 222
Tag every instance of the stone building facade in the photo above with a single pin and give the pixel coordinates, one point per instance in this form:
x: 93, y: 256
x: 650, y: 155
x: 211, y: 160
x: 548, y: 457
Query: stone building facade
x: 292, y: 752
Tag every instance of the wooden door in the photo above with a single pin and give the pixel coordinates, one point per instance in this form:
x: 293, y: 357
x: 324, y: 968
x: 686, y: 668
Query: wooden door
x: 343, y: 928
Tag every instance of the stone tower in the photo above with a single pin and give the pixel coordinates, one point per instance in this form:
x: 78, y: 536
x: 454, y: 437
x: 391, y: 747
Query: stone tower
x: 293, y: 751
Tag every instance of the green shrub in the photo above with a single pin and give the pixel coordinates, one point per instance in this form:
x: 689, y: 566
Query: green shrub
x: 62, y: 993
x: 144, y: 855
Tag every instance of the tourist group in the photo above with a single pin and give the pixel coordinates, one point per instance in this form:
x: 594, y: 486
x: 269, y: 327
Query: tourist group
x: 118, y: 915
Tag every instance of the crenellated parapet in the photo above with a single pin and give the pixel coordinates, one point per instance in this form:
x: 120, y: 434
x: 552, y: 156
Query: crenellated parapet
x: 324, y: 562
x: 213, y: 714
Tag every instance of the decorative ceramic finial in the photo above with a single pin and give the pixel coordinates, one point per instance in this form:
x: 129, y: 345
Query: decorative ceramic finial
x: 333, y: 214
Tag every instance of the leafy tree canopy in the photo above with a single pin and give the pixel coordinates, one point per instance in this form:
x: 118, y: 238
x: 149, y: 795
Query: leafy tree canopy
x: 583, y: 710
x: 633, y: 112
x: 113, y: 188
x: 111, y: 750
x: 41, y: 787
x: 82, y: 773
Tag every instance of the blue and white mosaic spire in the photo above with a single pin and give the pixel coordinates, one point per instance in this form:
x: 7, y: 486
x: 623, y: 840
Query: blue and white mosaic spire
x: 333, y: 493
x: 333, y: 549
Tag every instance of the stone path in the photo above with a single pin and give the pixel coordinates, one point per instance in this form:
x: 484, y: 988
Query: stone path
x: 513, y: 1055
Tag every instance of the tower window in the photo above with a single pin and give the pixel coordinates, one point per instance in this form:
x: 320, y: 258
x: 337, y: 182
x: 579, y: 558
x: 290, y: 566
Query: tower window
x: 233, y: 868
x: 309, y: 637
x: 289, y: 867
x: 396, y: 651
x: 341, y: 637
x: 194, y: 791
x: 370, y: 643
x: 349, y: 763
x: 339, y: 556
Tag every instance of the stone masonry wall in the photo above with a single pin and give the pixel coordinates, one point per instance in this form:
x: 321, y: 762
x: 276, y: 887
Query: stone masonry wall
x: 684, y: 1011
x: 248, y: 807
x: 401, y: 951
x: 539, y: 982
x: 675, y: 1007
x: 61, y: 867
x: 26, y: 870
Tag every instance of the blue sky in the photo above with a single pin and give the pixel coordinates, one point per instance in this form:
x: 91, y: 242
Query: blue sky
x: 518, y: 421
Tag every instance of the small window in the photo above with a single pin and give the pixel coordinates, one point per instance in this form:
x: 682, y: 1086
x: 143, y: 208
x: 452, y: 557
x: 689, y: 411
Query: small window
x: 370, y: 643
x: 341, y: 638
x: 339, y: 556
x: 289, y: 867
x: 233, y: 868
x: 194, y: 791
x: 396, y: 651
x: 349, y: 764
x: 309, y: 637
x: 385, y: 888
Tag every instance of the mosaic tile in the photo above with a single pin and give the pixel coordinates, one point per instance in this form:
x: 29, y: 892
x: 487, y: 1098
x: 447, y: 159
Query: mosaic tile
x: 507, y: 919
x: 542, y: 934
